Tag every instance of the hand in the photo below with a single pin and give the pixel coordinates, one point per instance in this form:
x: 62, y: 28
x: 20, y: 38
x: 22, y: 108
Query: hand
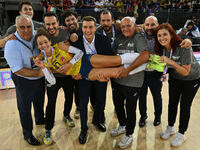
x: 124, y: 73
x: 187, y: 43
x: 139, y: 29
x: 4, y: 40
x: 64, y: 68
x: 73, y: 37
x: 117, y: 25
x: 11, y: 37
x: 63, y: 27
x: 164, y: 59
x: 77, y: 77
x: 101, y: 78
x: 41, y: 74
x: 39, y: 63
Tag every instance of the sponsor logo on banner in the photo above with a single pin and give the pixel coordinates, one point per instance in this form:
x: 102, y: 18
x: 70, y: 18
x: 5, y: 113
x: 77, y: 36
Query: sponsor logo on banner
x: 5, y: 79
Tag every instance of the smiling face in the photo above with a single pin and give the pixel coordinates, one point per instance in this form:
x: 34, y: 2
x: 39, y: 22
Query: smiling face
x: 71, y: 22
x: 51, y: 25
x: 89, y: 29
x: 151, y: 25
x: 164, y: 38
x: 27, y: 10
x: 43, y: 43
x: 128, y: 27
x: 106, y: 22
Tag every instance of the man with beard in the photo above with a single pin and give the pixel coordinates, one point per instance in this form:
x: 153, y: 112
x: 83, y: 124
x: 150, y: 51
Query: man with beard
x: 70, y: 18
x: 62, y: 81
x: 152, y: 77
x: 107, y: 27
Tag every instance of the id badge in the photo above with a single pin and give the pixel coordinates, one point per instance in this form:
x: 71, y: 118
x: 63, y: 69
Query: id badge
x: 32, y: 62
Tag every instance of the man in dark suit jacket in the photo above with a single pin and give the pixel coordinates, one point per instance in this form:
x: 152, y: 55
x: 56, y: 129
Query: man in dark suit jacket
x: 91, y: 43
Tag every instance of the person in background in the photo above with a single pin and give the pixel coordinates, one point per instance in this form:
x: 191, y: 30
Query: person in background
x: 25, y: 8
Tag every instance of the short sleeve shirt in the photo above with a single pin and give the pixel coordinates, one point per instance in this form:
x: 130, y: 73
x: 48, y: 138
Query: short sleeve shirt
x: 134, y: 44
x: 184, y: 56
x: 19, y: 56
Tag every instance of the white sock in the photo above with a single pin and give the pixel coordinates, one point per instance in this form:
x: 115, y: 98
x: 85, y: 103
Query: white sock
x: 128, y: 58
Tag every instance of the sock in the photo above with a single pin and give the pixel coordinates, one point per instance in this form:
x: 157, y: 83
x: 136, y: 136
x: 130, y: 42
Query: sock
x: 128, y: 58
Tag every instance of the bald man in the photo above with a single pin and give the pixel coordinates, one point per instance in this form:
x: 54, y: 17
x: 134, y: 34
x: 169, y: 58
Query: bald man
x: 152, y: 77
x: 127, y: 88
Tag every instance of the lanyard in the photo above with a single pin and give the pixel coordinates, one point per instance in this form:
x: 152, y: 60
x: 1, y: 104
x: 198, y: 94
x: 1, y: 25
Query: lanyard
x: 170, y: 56
x: 45, y: 56
x: 88, y: 45
x: 113, y: 32
x: 31, y: 49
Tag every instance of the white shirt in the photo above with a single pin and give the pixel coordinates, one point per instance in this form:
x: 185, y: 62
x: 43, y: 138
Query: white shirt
x: 89, y: 47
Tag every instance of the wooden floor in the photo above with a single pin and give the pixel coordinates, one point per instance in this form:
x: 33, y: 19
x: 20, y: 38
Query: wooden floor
x: 146, y: 138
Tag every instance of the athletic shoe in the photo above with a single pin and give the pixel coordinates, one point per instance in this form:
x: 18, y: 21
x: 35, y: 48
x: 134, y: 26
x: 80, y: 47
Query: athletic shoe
x: 178, y: 140
x: 69, y: 121
x: 125, y: 141
x: 48, y: 138
x: 117, y: 131
x: 167, y: 133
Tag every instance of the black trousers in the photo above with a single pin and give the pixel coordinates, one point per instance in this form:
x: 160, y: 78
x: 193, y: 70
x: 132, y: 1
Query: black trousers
x: 126, y: 117
x: 76, y: 94
x: 183, y: 92
x: 52, y: 92
x: 84, y: 93
x: 151, y: 80
x: 28, y: 91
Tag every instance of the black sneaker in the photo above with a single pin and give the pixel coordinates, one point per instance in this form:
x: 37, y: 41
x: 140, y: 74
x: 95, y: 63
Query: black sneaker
x: 142, y: 121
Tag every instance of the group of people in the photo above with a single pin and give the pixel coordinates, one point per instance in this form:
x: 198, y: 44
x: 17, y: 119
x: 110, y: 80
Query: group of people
x: 75, y: 58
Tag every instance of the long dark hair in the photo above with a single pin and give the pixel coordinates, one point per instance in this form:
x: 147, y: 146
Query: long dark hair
x: 175, y: 41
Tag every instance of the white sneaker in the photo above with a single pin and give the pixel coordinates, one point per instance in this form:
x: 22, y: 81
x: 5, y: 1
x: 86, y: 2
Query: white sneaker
x: 117, y: 131
x: 167, y: 133
x: 125, y: 141
x: 178, y: 140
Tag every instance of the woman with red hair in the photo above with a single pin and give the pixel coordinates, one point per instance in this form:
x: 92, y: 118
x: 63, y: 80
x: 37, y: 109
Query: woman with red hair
x: 184, y: 79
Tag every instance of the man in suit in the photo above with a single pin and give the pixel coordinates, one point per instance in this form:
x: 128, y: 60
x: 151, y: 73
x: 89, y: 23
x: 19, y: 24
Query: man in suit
x: 91, y: 43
